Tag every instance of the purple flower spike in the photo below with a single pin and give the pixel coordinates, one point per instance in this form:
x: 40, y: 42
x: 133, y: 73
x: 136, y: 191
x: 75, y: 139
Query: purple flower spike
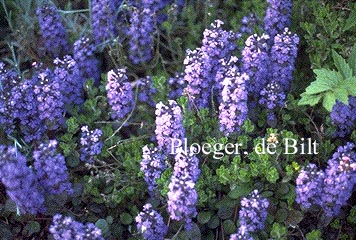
x: 233, y: 107
x: 119, y: 93
x: 150, y: 224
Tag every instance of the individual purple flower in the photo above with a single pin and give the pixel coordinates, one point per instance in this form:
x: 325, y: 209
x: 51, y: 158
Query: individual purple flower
x: 52, y: 29
x: 103, y: 19
x: 71, y: 82
x: 49, y: 98
x: 140, y: 35
x: 119, y: 93
x: 253, y: 213
x: 66, y: 228
x: 84, y: 55
x: 146, y: 91
x: 196, y: 75
x: 150, y: 224
x: 20, y: 182
x: 255, y: 59
x: 277, y: 16
x: 182, y: 199
x: 233, y: 107
x: 308, y: 186
x: 152, y: 166
x: 176, y: 85
x: 90, y: 144
x: 283, y: 54
x: 343, y: 117
x: 169, y: 125
x: 51, y: 169
x: 340, y: 178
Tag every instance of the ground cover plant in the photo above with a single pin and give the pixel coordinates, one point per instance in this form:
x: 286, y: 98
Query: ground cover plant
x: 133, y: 119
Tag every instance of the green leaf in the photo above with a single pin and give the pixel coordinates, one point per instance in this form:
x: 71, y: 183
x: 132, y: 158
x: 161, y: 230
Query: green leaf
x: 341, y: 65
x: 314, y: 235
x: 350, y: 22
x: 214, y: 222
x: 125, y: 218
x: 240, y: 191
x: 318, y: 86
x: 330, y: 77
x: 294, y: 217
x: 229, y: 226
x: 204, y: 217
x: 342, y: 95
x: 352, y: 59
x: 103, y: 225
x: 349, y: 84
x: 329, y: 101
x: 32, y: 227
x: 311, y: 100
x: 225, y: 212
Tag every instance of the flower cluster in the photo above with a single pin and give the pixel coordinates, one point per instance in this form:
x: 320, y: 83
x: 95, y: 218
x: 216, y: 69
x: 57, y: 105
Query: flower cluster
x: 308, y: 184
x: 182, y: 199
x: 66, y: 228
x: 340, y: 178
x: 253, y: 213
x: 51, y: 169
x: 169, y: 124
x: 283, y: 55
x: 272, y: 96
x: 343, y: 117
x: 233, y: 107
x: 103, y: 19
x: 20, y: 182
x: 150, y: 224
x: 52, y: 29
x: 119, y: 93
x: 49, y: 98
x: 177, y: 85
x: 152, y: 165
x: 24, y: 106
x: 277, y: 16
x: 91, y: 144
x: 186, y: 165
x: 140, y: 34
x: 8, y: 80
x: 182, y: 195
x: 146, y: 91
x: 196, y: 75
x: 71, y: 82
x: 84, y: 55
x: 255, y: 59
x: 330, y: 189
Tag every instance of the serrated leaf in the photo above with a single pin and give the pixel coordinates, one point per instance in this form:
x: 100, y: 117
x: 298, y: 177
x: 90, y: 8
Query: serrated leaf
x: 349, y: 84
x: 329, y: 101
x: 342, y: 95
x: 309, y: 99
x: 350, y: 22
x: 318, y: 86
x: 328, y: 76
x: 341, y: 65
x: 352, y: 60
